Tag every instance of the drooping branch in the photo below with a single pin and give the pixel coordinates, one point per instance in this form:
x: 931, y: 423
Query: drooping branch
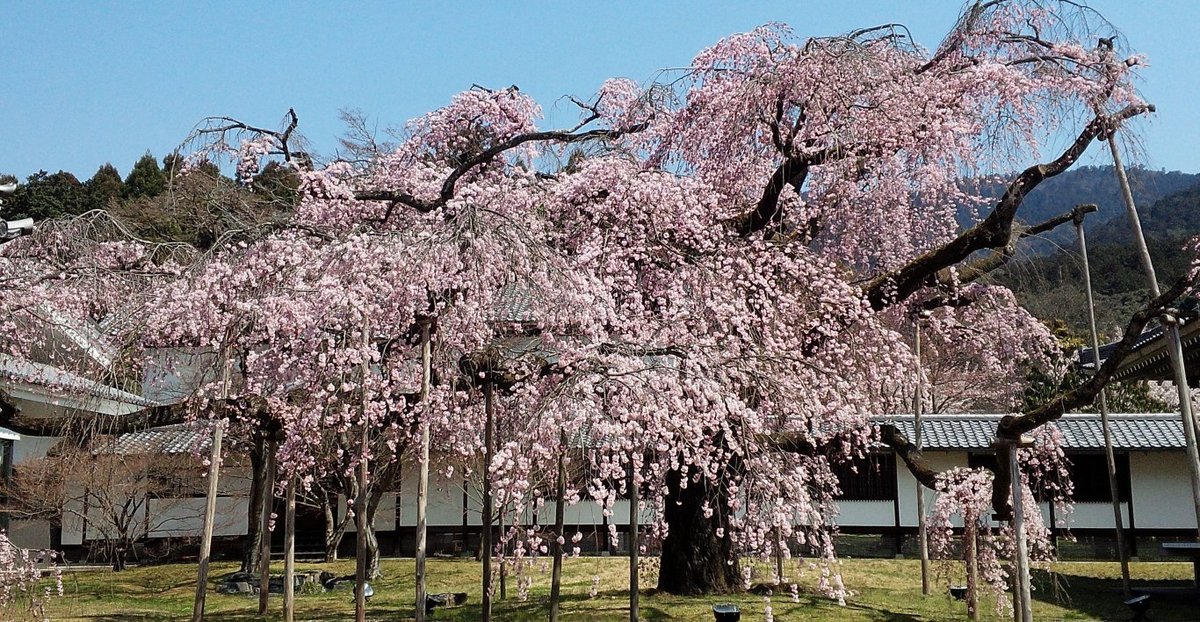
x: 220, y: 126
x: 792, y: 172
x: 913, y: 458
x: 795, y: 443
x: 992, y: 232
x: 791, y: 442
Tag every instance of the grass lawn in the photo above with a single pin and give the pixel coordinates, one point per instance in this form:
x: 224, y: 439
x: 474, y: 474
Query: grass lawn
x: 885, y: 589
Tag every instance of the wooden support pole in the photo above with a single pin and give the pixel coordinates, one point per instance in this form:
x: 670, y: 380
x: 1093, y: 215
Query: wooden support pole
x: 503, y: 553
x: 918, y: 406
x: 971, y: 549
x: 778, y: 555
x: 210, y: 512
x: 1024, y: 604
x: 1172, y: 330
x: 289, y: 553
x: 560, y: 502
x: 360, y: 503
x: 634, y: 539
x: 268, y: 506
x: 423, y: 476
x: 1105, y: 426
x: 485, y: 540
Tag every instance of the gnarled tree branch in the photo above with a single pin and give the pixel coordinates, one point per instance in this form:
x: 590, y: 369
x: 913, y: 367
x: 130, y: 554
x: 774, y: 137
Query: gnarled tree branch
x: 487, y: 155
x: 995, y: 231
x: 976, y: 269
x: 1012, y: 427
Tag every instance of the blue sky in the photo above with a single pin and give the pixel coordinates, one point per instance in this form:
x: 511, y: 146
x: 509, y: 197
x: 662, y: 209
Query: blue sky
x: 90, y: 82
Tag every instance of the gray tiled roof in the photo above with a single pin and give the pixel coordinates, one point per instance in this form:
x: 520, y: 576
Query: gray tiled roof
x: 29, y: 372
x: 168, y: 439
x: 513, y: 304
x: 1081, y: 432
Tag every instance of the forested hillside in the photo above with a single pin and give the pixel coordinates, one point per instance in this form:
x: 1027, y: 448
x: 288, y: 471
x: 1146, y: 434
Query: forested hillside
x: 1091, y: 184
x: 1051, y: 285
x: 158, y: 202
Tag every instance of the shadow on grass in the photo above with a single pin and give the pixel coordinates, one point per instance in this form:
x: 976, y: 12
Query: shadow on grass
x: 884, y: 615
x: 1101, y: 598
x: 511, y: 609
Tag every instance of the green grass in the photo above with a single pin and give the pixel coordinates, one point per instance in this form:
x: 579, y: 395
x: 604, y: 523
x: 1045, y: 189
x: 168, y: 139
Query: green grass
x: 885, y: 589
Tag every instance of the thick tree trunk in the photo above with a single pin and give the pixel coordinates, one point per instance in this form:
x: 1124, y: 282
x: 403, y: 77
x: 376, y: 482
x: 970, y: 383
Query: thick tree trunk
x: 334, y: 530
x: 383, y: 479
x: 372, y: 551
x: 258, y: 476
x: 121, y: 553
x: 695, y: 560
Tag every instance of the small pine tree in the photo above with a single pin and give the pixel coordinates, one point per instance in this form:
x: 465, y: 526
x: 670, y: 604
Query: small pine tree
x: 146, y: 179
x: 103, y: 187
x: 172, y: 164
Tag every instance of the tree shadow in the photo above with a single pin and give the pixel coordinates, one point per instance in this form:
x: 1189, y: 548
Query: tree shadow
x: 885, y: 615
x: 1101, y: 598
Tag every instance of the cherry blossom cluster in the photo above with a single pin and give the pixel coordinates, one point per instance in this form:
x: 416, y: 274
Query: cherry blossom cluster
x: 23, y: 574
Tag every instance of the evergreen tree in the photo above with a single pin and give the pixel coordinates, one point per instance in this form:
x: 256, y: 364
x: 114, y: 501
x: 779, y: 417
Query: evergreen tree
x: 146, y: 179
x: 104, y: 186
x: 277, y: 184
x: 47, y: 195
x: 172, y: 163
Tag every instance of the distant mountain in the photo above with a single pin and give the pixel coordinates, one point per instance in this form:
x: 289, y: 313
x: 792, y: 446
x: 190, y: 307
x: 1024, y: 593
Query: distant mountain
x: 1091, y: 184
x: 1051, y: 285
x: 1176, y: 215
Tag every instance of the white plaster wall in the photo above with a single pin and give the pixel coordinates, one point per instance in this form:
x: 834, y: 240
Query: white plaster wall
x: 588, y: 512
x: 100, y: 528
x: 235, y: 480
x: 906, y: 485
x: 444, y: 508
x: 185, y: 517
x: 32, y: 447
x: 171, y: 517
x: 29, y: 534
x: 1162, y: 497
x: 1091, y: 515
x: 72, y: 523
x: 867, y: 513
x: 385, y: 514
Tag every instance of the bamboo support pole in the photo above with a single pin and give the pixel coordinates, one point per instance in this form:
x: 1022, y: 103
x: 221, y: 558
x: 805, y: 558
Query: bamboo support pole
x: 560, y: 488
x: 485, y: 543
x: 289, y: 553
x: 918, y: 405
x: 1172, y: 329
x: 634, y: 540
